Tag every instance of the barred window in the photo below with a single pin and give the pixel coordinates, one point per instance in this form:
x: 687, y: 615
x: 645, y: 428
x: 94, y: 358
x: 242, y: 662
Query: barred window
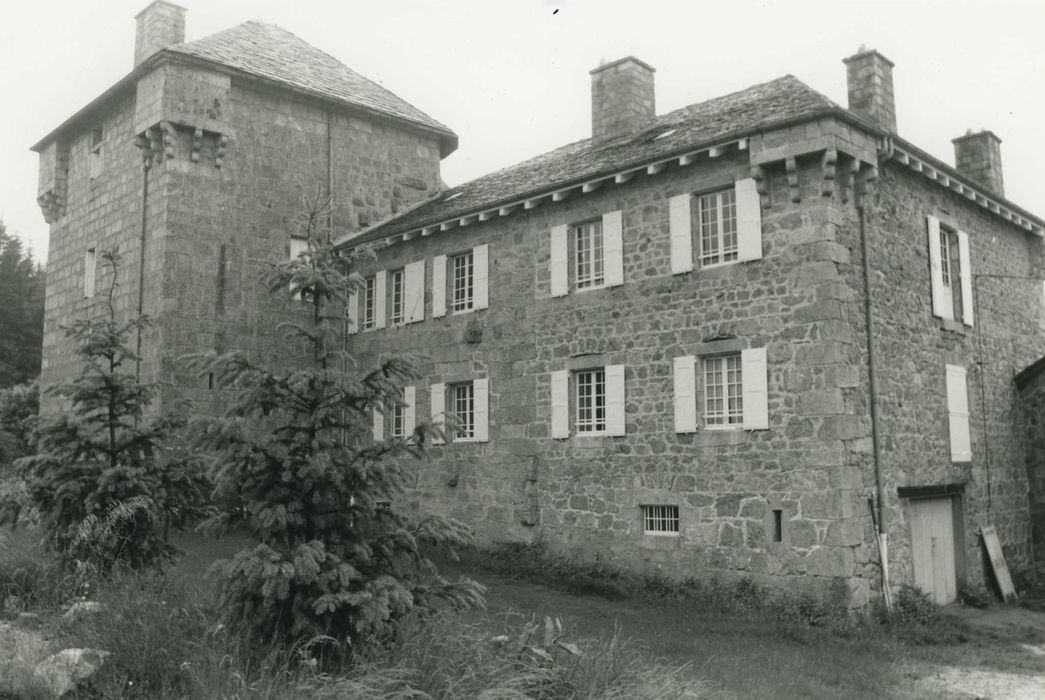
x: 588, y: 255
x: 660, y: 520
x: 398, y: 276
x: 723, y: 390
x: 368, y: 304
x: 591, y: 400
x: 398, y: 415
x: 464, y: 282
x: 717, y: 228
x: 463, y: 398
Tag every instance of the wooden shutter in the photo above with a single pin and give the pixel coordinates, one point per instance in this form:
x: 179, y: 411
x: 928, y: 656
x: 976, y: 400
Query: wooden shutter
x: 613, y: 248
x: 560, y: 404
x: 438, y: 405
x: 680, y: 224
x: 438, y: 286
x: 942, y: 304
x: 685, y: 374
x: 379, y: 424
x: 481, y: 393
x: 481, y: 276
x: 755, y: 377
x: 958, y: 414
x: 966, y: 276
x: 414, y: 292
x: 560, y: 278
x: 749, y: 220
x: 614, y: 399
x: 380, y: 288
x: 352, y: 312
x: 409, y: 411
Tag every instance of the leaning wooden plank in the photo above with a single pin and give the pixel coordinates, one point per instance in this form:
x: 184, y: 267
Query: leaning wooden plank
x: 1001, y: 569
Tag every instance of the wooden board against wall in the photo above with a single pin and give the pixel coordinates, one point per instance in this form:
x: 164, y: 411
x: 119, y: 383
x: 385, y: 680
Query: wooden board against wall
x: 1001, y: 569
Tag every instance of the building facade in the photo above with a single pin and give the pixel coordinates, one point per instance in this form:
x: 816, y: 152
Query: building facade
x: 738, y: 339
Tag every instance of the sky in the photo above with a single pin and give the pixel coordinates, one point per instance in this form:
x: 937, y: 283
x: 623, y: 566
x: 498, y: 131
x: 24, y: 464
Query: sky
x: 510, y: 77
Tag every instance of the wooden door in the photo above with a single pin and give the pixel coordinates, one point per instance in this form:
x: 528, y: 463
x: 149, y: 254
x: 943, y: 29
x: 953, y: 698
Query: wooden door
x: 932, y: 548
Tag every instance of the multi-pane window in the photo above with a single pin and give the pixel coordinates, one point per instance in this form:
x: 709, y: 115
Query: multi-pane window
x: 945, y: 256
x: 660, y: 520
x: 398, y: 278
x: 464, y: 282
x: 462, y: 399
x: 399, y: 417
x: 950, y: 270
x: 723, y: 390
x: 717, y: 229
x: 591, y: 400
x: 589, y: 257
x: 369, y: 298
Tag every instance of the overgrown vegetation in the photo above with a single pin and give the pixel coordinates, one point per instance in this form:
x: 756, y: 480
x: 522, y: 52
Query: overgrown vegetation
x: 297, y: 469
x: 106, y: 491
x: 22, y: 284
x: 19, y: 406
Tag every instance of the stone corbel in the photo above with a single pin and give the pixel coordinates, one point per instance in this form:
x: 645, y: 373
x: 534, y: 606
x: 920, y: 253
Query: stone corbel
x: 761, y: 185
x: 865, y: 182
x: 169, y: 139
x: 828, y: 169
x: 792, y: 180
x: 197, y: 142
x: 219, y: 150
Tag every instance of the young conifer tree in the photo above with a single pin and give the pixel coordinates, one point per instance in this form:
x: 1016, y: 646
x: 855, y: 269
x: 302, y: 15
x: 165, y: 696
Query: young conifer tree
x: 297, y: 467
x: 107, y: 483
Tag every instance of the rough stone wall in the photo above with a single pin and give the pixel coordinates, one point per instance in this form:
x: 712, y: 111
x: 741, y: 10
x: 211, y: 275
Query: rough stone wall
x: 1033, y: 407
x: 978, y: 156
x: 584, y: 493
x: 622, y: 99
x: 101, y: 213
x: 913, y: 347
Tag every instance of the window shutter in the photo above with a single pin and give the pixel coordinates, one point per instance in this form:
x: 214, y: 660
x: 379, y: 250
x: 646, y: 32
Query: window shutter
x: 409, y: 412
x: 414, y: 292
x: 614, y: 399
x: 680, y: 223
x: 560, y: 404
x: 755, y: 376
x: 685, y: 373
x: 613, y: 248
x: 966, y: 276
x: 379, y: 299
x: 379, y: 425
x: 438, y: 286
x: 481, y: 276
x: 352, y: 312
x: 749, y: 220
x: 559, y: 262
x: 941, y: 305
x: 958, y: 414
x: 481, y: 392
x: 438, y: 397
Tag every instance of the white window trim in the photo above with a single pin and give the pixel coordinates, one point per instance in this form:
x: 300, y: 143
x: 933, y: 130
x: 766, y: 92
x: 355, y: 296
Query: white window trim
x: 402, y: 297
x: 705, y: 413
x: 470, y: 283
x: 719, y: 233
x: 365, y: 295
x: 661, y: 533
x: 574, y: 229
x: 576, y: 418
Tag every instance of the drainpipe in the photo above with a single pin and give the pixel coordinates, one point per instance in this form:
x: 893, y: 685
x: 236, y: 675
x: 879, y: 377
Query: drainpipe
x: 876, y: 443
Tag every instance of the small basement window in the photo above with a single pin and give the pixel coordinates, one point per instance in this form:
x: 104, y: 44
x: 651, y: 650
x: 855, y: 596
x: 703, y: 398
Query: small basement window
x: 778, y: 525
x: 660, y: 520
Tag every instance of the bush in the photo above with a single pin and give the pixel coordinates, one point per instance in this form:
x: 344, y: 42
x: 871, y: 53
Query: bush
x: 19, y: 406
x: 912, y: 606
x: 33, y: 576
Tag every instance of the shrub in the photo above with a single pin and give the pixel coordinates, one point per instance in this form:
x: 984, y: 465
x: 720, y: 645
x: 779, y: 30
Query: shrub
x: 102, y: 454
x: 296, y: 468
x: 912, y: 606
x: 18, y: 408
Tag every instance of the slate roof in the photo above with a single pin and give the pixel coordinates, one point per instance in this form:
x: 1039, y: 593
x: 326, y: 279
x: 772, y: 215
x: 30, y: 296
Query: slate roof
x: 739, y: 113
x: 269, y: 51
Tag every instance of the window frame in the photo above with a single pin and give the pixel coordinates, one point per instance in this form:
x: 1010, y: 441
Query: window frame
x: 719, y: 234
x: 662, y: 515
x: 94, y: 153
x: 368, y: 304
x: 455, y: 433
x: 90, y: 271
x: 397, y: 286
x: 398, y: 427
x: 596, y: 236
x: 466, y: 302
x: 731, y: 419
x: 579, y: 425
x: 951, y: 272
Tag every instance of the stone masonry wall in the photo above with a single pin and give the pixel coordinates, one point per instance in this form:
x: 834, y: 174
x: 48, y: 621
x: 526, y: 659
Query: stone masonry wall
x: 1033, y: 409
x: 913, y: 347
x: 584, y: 493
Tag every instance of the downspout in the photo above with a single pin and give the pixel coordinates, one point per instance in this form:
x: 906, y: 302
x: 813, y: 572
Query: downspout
x: 141, y: 268
x: 876, y: 443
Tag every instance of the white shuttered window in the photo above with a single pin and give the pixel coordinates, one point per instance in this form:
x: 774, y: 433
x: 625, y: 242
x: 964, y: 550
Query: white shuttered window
x: 438, y: 286
x: 685, y: 395
x: 560, y: 399
x: 680, y: 225
x: 414, y: 293
x: 438, y: 408
x: 958, y: 414
x: 560, y: 284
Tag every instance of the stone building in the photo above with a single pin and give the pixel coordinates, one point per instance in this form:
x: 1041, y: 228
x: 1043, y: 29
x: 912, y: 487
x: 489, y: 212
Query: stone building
x: 736, y: 339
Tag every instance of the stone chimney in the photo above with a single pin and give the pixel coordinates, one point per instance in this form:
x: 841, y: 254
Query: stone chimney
x: 622, y: 100
x: 869, y: 75
x: 160, y: 25
x: 978, y: 157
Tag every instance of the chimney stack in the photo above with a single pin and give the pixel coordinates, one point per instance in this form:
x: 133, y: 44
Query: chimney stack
x: 622, y: 101
x: 869, y: 75
x: 978, y: 157
x: 160, y: 24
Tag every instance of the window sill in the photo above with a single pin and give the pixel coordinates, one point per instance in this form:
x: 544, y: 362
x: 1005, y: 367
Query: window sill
x: 712, y: 266
x: 582, y: 290
x: 736, y: 427
x: 464, y: 440
x: 953, y: 326
x: 461, y: 312
x: 647, y: 533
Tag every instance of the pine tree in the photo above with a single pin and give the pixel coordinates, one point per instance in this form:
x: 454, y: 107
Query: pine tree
x: 21, y: 312
x: 103, y: 455
x: 297, y: 468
